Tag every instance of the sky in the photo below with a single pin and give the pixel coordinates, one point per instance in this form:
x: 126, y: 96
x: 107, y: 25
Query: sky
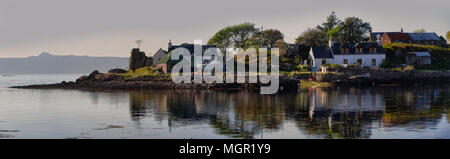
x: 110, y: 27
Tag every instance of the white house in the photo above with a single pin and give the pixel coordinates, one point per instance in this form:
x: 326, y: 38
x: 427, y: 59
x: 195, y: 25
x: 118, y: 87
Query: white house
x: 158, y: 56
x: 365, y: 54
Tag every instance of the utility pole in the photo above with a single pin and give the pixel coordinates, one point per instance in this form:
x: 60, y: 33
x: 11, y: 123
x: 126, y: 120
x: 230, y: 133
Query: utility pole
x: 262, y: 37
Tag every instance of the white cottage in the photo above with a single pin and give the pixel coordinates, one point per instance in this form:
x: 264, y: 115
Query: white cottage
x: 365, y: 54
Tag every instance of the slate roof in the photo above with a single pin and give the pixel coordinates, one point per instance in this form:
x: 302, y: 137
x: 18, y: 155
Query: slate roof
x: 424, y: 36
x: 190, y: 47
x: 337, y: 48
x: 419, y: 54
x: 322, y: 52
x: 161, y: 50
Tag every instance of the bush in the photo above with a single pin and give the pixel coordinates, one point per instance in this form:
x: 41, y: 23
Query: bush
x: 332, y: 65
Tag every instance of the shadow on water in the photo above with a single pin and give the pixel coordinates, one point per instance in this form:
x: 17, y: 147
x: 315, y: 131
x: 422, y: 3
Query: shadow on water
x: 335, y: 112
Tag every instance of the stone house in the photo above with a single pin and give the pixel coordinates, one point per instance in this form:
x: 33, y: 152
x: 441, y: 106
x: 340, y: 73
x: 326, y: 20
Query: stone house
x: 364, y: 54
x: 395, y: 37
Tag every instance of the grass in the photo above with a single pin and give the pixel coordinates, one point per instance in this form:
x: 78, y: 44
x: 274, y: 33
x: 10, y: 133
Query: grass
x: 312, y: 84
x: 144, y: 71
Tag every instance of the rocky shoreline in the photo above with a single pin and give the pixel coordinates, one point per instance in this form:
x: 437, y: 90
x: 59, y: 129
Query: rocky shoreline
x: 340, y: 77
x: 109, y: 81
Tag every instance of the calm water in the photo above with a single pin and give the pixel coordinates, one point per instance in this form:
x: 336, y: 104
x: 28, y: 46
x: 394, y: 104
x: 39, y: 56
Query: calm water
x: 380, y: 112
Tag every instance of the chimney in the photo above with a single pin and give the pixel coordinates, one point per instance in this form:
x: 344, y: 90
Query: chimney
x: 401, y: 29
x: 170, y: 44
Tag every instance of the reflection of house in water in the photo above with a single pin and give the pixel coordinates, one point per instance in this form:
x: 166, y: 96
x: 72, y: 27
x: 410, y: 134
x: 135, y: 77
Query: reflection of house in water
x: 340, y: 112
x: 317, y: 112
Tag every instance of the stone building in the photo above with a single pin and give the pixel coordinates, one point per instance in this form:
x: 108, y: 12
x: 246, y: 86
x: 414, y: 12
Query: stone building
x: 138, y: 59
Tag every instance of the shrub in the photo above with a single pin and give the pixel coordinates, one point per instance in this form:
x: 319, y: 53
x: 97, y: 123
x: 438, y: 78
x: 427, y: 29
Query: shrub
x: 332, y: 65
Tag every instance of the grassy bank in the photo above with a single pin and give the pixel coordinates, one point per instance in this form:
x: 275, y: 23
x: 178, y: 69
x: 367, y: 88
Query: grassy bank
x: 144, y: 71
x: 311, y: 84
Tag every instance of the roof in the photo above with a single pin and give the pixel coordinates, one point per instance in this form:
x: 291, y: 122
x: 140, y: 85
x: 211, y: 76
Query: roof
x: 419, y: 54
x: 160, y: 51
x: 322, y: 52
x: 190, y: 47
x: 399, y: 36
x: 424, y: 36
x: 374, y: 35
x: 365, y: 46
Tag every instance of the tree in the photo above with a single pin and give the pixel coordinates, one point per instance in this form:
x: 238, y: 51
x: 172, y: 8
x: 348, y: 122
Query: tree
x: 138, y: 43
x: 421, y: 30
x: 320, y: 35
x: 237, y: 36
x: 312, y: 37
x: 222, y: 39
x: 448, y: 36
x: 334, y: 33
x: 331, y: 22
x: 270, y: 38
x: 354, y: 30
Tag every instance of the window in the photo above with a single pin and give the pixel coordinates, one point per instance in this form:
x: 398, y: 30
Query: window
x: 373, y: 49
x: 345, y: 61
x: 359, y: 62
x: 344, y: 50
x: 374, y: 62
x: 360, y: 50
x: 324, y: 61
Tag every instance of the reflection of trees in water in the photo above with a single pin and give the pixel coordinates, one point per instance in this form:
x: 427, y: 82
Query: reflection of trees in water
x: 249, y: 115
x: 424, y: 107
x: 319, y: 112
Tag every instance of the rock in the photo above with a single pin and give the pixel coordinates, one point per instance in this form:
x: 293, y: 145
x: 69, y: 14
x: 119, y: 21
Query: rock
x: 81, y: 79
x: 92, y: 75
x: 117, y: 70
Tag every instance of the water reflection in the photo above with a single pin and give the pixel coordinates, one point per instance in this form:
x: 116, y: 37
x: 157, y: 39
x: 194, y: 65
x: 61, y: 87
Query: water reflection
x: 317, y: 112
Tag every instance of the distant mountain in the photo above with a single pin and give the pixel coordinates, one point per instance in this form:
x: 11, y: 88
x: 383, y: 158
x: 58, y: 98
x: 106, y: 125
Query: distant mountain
x: 47, y: 63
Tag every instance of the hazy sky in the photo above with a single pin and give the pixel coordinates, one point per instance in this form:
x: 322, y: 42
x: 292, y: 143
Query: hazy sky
x: 109, y: 27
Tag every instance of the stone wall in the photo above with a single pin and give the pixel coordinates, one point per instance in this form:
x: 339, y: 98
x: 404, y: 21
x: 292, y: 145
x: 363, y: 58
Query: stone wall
x: 355, y: 75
